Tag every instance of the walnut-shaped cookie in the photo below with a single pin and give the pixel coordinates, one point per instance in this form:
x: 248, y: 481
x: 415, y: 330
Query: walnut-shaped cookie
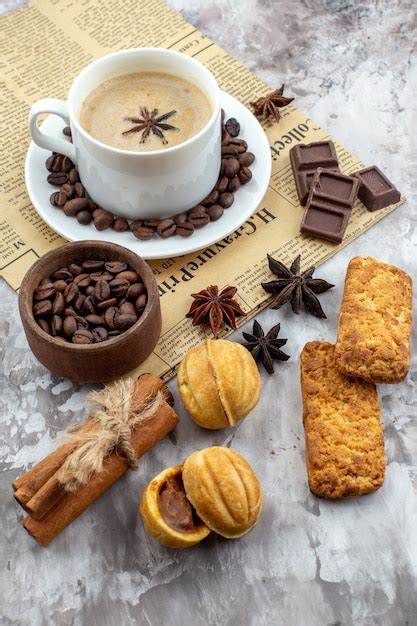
x: 219, y: 383
x: 215, y: 489
x: 167, y: 514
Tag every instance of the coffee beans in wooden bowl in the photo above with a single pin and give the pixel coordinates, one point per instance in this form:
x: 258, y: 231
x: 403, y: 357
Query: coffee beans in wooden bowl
x: 90, y: 310
x: 89, y: 301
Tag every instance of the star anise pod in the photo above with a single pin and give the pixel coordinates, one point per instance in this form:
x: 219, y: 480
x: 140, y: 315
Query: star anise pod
x: 215, y: 307
x: 150, y: 121
x: 269, y: 105
x: 296, y: 287
x: 266, y: 348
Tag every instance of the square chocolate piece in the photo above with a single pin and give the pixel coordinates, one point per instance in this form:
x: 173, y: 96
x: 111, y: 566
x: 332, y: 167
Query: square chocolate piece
x: 333, y: 188
x: 376, y: 191
x: 313, y: 155
x: 303, y: 180
x: 324, y: 222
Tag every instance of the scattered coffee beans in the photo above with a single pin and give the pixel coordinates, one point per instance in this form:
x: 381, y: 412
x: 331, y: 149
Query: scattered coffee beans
x: 90, y: 302
x: 73, y: 198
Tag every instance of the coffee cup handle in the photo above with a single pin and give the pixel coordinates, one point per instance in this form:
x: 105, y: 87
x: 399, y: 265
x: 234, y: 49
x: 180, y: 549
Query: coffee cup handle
x: 46, y: 140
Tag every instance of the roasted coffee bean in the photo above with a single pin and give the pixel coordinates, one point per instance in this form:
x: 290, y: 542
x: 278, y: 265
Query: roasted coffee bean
x: 93, y: 206
x: 246, y: 159
x: 151, y: 224
x: 84, y: 217
x: 42, y: 308
x: 73, y: 176
x: 61, y: 198
x: 106, y: 304
x: 120, y: 225
x: 110, y: 317
x: 237, y: 141
x: 125, y: 321
x: 57, y: 179
x: 79, y: 192
x: 62, y: 274
x: 233, y: 149
x: 94, y: 320
x: 44, y: 324
x: 81, y: 323
x: 59, y: 285
x: 89, y: 306
x: 74, y: 206
x: 245, y: 175
x: 95, y: 276
x: 99, y: 334
x: 56, y: 325
x: 69, y: 311
x: 58, y: 305
x: 102, y: 219
x: 57, y: 163
x: 225, y: 137
x: 82, y: 280
x: 68, y: 190
x: 89, y: 290
x: 185, y: 229
x: 43, y: 292
x: 129, y: 275
x: 135, y: 290
x: 67, y: 131
x: 49, y: 162
x: 222, y: 184
x: 180, y: 218
x: 232, y: 127
x: 141, y: 303
x: 211, y: 198
x: 135, y: 224
x: 66, y: 165
x: 234, y: 184
x: 93, y: 266
x: 71, y: 293
x: 143, y: 233
x: 226, y: 199
x: 53, y: 198
x: 114, y: 333
x: 215, y: 212
x: 127, y: 308
x: 82, y: 336
x: 198, y: 217
x: 166, y: 228
x: 119, y: 287
x: 115, y: 267
x: 102, y: 290
x: 79, y: 303
x: 75, y: 269
x: 232, y: 167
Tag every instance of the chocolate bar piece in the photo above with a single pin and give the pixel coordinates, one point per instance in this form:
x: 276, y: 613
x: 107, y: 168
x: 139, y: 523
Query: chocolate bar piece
x: 329, y: 205
x: 376, y: 191
x: 305, y: 159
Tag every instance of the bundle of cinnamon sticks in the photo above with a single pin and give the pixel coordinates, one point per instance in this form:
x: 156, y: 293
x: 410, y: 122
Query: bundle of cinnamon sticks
x: 51, y: 507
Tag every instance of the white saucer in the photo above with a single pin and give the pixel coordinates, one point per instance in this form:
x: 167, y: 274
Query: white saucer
x: 247, y: 197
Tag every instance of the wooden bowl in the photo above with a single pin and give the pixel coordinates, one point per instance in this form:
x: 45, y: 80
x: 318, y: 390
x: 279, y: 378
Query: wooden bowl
x: 100, y: 362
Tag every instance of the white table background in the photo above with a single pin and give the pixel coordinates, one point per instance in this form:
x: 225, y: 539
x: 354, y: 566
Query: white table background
x: 352, y: 67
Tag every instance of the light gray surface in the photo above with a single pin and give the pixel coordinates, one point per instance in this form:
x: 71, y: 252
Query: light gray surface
x: 309, y: 562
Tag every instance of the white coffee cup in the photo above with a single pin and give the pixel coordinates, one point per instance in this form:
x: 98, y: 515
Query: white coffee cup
x: 154, y: 184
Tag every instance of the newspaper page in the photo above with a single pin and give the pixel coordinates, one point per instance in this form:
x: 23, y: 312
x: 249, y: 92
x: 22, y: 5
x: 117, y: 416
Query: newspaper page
x: 43, y: 48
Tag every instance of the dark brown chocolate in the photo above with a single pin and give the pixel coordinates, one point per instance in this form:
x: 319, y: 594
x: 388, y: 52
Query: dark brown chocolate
x: 174, y: 507
x: 329, y: 205
x: 305, y: 159
x: 376, y: 191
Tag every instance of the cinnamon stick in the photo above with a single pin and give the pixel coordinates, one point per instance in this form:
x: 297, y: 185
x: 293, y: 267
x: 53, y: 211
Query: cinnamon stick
x: 29, y: 484
x: 71, y: 505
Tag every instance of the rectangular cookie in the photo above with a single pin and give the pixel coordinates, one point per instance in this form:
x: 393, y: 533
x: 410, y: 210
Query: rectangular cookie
x: 375, y: 320
x: 343, y: 433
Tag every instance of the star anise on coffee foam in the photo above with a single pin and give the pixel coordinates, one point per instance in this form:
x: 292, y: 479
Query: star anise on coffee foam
x: 150, y: 121
x: 295, y: 287
x: 215, y: 307
x: 269, y: 105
